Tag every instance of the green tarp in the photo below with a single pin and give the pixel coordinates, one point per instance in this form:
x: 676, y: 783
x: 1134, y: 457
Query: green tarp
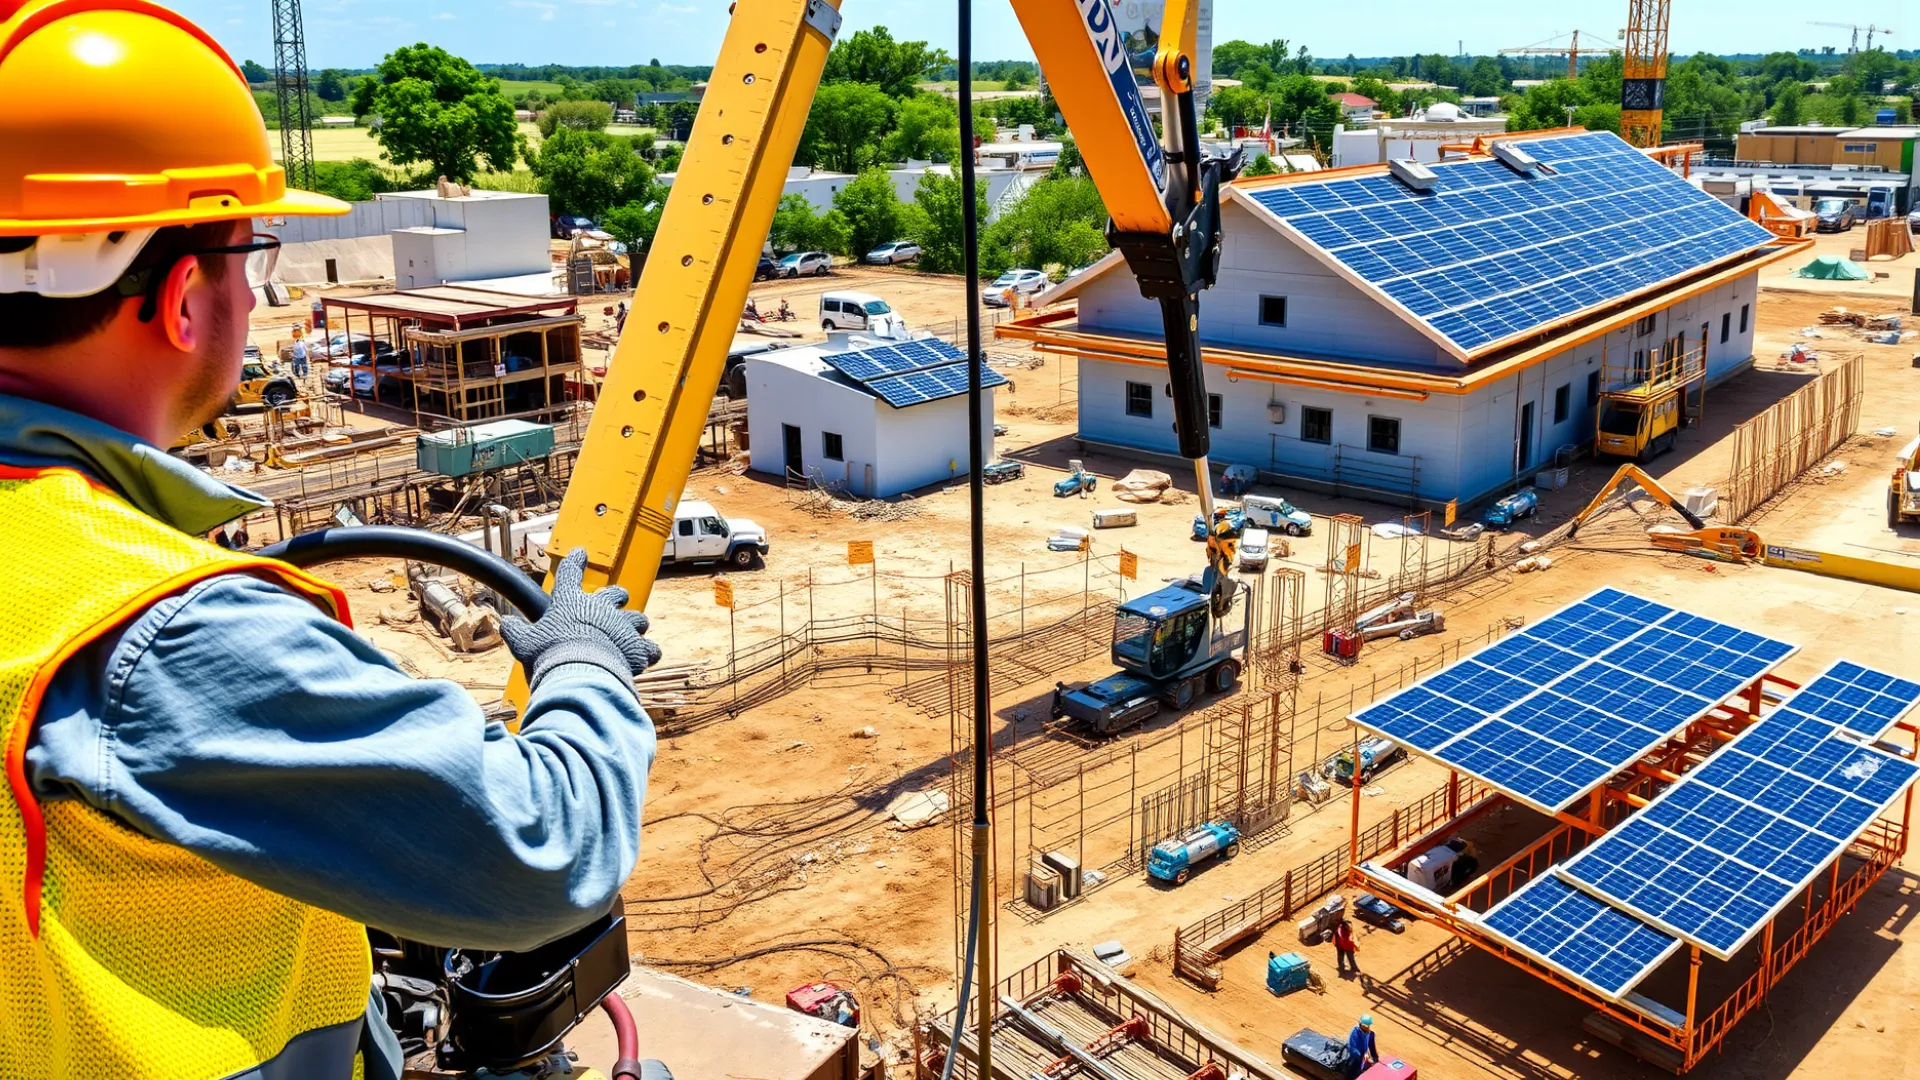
x: 1833, y: 268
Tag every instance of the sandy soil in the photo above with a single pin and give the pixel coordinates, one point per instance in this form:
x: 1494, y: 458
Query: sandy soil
x: 770, y: 828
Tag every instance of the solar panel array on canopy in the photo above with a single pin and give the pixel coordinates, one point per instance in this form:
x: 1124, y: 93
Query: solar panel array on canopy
x: 1549, y: 713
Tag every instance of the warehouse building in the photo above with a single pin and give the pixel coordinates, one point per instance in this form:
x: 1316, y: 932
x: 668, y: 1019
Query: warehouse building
x: 1428, y: 333
x: 873, y: 419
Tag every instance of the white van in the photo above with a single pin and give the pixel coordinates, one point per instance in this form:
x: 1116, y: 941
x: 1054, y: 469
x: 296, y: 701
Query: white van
x: 860, y: 311
x: 1254, y: 546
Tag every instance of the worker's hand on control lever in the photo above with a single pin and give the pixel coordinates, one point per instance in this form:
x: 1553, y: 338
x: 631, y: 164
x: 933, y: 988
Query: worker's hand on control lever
x: 581, y: 627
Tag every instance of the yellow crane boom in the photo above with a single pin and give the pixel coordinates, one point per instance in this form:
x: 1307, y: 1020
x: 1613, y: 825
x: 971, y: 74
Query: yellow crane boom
x: 1643, y: 81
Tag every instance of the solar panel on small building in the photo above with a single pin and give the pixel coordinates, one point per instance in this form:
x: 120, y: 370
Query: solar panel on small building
x: 1553, y: 711
x: 911, y: 372
x: 1581, y: 937
x: 1487, y: 254
x: 1718, y: 854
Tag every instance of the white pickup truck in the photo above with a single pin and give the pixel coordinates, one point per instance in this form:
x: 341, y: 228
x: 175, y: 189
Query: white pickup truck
x: 701, y: 534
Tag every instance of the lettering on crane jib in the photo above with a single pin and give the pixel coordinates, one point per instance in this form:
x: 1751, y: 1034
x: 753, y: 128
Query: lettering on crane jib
x: 1097, y: 15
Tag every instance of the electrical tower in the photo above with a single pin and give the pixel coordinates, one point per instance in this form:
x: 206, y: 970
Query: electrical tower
x: 1643, y: 83
x: 290, y: 91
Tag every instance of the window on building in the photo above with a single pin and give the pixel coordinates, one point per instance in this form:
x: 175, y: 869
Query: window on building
x: 1642, y: 368
x: 1562, y: 403
x: 830, y: 446
x: 1726, y: 327
x: 1593, y: 389
x: 1743, y: 318
x: 1213, y: 410
x: 1643, y: 327
x: 1316, y: 425
x: 1273, y: 311
x: 1139, y: 399
x: 1383, y: 435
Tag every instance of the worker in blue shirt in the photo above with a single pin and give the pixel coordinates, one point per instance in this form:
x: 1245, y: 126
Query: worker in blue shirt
x: 213, y: 786
x: 1362, y: 1049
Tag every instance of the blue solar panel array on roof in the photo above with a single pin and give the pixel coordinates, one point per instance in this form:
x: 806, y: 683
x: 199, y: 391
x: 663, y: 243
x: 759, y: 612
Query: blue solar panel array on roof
x: 1489, y: 254
x: 911, y: 372
x: 866, y: 365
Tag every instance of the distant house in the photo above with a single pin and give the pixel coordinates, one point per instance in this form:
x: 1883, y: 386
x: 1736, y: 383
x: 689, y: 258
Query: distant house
x: 872, y: 418
x: 1427, y: 336
x: 1358, y: 107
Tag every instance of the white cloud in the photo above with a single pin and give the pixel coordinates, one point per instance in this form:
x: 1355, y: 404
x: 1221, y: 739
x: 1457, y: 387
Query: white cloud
x: 674, y: 9
x: 446, y: 16
x: 546, y: 10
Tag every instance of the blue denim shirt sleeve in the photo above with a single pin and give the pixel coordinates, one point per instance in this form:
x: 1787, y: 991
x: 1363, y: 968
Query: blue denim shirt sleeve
x: 237, y: 721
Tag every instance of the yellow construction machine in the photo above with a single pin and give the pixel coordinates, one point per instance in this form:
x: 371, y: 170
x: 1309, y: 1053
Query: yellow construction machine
x: 1737, y: 544
x: 1903, y: 490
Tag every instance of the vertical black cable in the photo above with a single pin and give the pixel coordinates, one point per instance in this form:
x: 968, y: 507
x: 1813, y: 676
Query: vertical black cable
x: 976, y: 484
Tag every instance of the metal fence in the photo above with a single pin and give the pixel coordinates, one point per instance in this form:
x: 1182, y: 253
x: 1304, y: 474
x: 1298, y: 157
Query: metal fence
x: 1199, y: 947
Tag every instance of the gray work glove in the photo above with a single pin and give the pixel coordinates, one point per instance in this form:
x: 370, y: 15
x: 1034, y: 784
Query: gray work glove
x: 581, y: 628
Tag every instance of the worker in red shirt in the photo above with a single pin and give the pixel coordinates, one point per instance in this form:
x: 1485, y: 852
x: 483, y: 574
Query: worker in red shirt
x: 1345, y: 949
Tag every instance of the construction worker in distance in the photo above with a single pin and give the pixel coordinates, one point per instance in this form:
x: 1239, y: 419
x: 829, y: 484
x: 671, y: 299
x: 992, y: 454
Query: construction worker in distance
x: 213, y: 786
x: 1362, y: 1049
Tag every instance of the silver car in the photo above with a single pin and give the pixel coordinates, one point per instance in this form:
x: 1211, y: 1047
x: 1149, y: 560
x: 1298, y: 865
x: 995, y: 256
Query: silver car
x: 801, y: 263
x: 1026, y: 282
x: 899, y: 251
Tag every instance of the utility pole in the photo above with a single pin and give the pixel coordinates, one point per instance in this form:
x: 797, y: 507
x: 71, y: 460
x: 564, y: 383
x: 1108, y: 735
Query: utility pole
x: 290, y: 92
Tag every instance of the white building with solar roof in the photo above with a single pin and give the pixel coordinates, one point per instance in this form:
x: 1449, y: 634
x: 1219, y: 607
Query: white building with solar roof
x: 1428, y: 332
x: 871, y: 418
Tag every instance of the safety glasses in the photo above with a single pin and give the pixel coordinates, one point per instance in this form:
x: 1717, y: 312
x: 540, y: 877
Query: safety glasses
x: 262, y: 252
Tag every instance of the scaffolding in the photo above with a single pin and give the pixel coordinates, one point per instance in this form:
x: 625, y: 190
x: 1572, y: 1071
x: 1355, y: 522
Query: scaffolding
x: 1346, y: 552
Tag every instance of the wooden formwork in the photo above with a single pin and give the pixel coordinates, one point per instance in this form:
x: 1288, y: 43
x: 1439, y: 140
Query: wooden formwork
x: 1774, y: 448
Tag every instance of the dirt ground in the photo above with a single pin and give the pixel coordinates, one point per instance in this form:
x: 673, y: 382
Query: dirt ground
x: 769, y: 861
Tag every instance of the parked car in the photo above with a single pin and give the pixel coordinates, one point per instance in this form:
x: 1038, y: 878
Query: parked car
x: 344, y: 348
x: 767, y: 270
x: 1273, y: 512
x: 1255, y: 546
x: 817, y: 263
x: 1024, y: 282
x: 702, y: 534
x: 261, y: 385
x: 1835, y: 215
x: 568, y: 226
x: 897, y: 252
x: 860, y: 311
x: 383, y: 383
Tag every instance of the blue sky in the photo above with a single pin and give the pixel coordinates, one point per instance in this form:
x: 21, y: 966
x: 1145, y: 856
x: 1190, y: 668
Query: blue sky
x: 356, y: 33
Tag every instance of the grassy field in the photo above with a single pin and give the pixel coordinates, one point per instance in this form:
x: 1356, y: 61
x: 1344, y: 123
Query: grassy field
x: 514, y: 88
x: 345, y: 144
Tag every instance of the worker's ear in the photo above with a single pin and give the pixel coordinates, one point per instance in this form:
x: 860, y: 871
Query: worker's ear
x: 176, y: 317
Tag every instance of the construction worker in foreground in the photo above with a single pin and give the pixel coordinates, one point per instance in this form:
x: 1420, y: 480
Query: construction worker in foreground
x: 212, y: 785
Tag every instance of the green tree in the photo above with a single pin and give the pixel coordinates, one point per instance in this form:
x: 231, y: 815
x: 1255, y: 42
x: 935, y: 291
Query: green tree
x: 439, y: 109
x: 874, y: 212
x: 796, y: 227
x: 1853, y: 110
x: 1058, y: 223
x: 942, y: 250
x: 578, y: 115
x: 927, y: 128
x: 1873, y: 68
x: 589, y: 172
x: 1016, y: 79
x: 845, y: 127
x: 1786, y: 106
x: 635, y: 223
x: 1069, y: 163
x: 331, y: 85
x: 1236, y: 106
x: 358, y: 180
x: 1261, y: 165
x: 873, y: 57
x: 1903, y: 112
x: 1385, y: 96
x: 1485, y: 78
x: 1230, y: 57
x: 254, y: 73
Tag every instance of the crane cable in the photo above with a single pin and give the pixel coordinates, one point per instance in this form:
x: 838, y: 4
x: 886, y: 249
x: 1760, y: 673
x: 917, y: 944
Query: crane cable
x: 977, y: 536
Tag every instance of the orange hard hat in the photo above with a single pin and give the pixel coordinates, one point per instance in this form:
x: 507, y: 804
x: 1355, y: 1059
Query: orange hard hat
x: 121, y: 115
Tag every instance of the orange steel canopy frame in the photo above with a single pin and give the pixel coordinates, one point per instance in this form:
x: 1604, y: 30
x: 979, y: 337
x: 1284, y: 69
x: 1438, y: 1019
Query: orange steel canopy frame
x: 1674, y: 1039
